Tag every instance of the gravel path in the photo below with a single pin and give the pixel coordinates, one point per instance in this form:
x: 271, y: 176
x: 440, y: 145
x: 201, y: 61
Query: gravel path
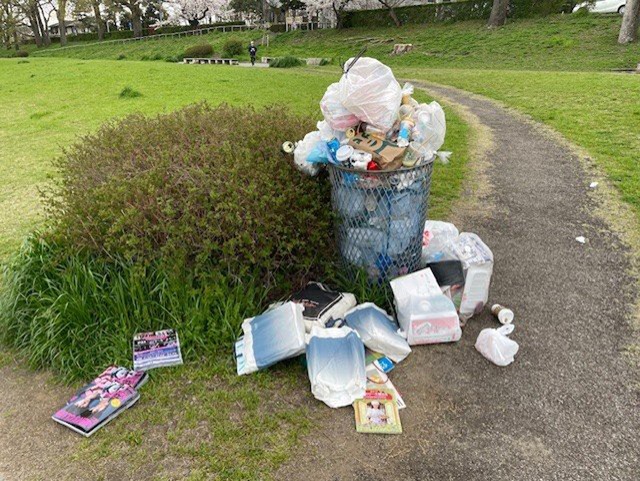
x: 567, y: 409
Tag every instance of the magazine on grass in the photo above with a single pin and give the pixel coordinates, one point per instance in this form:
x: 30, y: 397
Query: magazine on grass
x: 156, y: 349
x: 121, y: 375
x: 95, y: 405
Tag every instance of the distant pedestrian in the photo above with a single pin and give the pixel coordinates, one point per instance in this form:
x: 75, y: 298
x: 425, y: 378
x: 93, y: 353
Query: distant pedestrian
x: 253, y: 50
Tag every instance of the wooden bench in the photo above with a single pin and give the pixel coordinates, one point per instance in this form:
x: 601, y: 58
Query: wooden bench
x: 210, y: 61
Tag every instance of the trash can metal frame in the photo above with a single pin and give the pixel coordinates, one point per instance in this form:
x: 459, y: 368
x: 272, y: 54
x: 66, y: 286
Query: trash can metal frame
x: 380, y: 218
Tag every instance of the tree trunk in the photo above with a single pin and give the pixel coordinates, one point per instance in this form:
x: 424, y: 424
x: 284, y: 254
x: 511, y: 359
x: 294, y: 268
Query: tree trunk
x: 394, y: 17
x: 630, y: 20
x: 42, y: 24
x: 62, y: 13
x: 99, y: 21
x: 136, y: 20
x: 32, y: 15
x: 498, y: 13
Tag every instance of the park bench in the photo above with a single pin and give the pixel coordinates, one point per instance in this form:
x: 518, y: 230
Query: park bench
x: 211, y: 61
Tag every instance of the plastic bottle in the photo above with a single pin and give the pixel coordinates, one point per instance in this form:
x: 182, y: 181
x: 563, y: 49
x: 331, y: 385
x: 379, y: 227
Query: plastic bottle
x: 406, y: 125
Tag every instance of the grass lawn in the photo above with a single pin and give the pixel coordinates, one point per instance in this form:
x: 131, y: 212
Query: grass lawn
x: 559, y: 42
x: 200, y: 419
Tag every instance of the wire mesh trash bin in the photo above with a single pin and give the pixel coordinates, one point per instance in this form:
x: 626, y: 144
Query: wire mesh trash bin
x: 380, y: 218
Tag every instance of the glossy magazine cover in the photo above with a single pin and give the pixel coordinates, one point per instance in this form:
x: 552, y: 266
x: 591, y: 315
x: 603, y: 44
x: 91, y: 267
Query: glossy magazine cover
x: 95, y: 405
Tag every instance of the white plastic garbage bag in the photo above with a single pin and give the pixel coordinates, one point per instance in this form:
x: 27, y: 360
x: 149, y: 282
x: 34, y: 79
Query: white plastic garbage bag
x: 271, y: 337
x: 378, y: 331
x: 496, y: 346
x: 371, y: 92
x: 436, y: 236
x: 335, y: 364
x: 336, y: 115
x: 302, y: 151
x: 431, y: 126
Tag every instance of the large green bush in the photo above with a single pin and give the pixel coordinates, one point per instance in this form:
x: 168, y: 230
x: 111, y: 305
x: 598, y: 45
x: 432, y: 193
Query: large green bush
x: 199, y: 51
x: 232, y: 48
x: 198, y: 187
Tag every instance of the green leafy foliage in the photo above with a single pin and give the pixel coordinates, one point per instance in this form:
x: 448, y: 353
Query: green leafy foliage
x: 198, y: 187
x: 199, y: 51
x: 72, y: 311
x: 286, y: 62
x: 232, y: 48
x: 129, y: 93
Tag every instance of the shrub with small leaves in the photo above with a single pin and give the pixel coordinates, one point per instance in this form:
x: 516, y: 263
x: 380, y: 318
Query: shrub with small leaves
x: 201, y: 187
x: 232, y: 48
x: 199, y: 51
x: 121, y: 57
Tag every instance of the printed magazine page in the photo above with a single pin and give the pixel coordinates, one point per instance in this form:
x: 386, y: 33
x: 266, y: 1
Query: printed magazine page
x: 156, y: 349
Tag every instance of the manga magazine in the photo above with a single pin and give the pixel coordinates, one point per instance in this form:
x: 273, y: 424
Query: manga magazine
x: 95, y: 405
x: 156, y: 349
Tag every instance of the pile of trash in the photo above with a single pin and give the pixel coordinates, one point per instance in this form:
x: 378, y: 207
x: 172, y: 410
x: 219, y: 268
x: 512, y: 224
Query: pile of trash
x: 350, y: 348
x: 371, y: 123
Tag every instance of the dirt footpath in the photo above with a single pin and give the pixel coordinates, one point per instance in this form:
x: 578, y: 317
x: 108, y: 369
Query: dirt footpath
x: 567, y: 409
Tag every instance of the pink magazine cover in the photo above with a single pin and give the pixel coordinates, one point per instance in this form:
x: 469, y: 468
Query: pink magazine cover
x: 95, y: 405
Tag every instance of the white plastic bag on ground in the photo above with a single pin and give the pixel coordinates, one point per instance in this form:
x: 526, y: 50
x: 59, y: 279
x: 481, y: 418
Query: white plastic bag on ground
x: 431, y: 126
x: 273, y: 336
x: 496, y: 346
x: 302, y: 151
x: 335, y: 364
x: 336, y: 115
x: 378, y: 331
x: 436, y: 236
x: 371, y: 92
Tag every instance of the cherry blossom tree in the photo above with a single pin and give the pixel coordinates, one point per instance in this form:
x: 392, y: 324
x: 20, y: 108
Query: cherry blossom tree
x: 195, y: 11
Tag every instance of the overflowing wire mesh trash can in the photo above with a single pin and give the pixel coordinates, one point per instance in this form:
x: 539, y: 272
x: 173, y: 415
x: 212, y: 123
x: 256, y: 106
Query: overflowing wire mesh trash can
x: 380, y: 218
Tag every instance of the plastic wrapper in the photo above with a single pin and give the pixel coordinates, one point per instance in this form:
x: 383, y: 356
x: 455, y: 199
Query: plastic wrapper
x: 430, y: 127
x: 335, y: 113
x: 496, y: 346
x: 437, y: 235
x: 336, y: 366
x: 378, y: 331
x: 321, y: 304
x: 302, y: 151
x: 370, y: 91
x: 271, y: 337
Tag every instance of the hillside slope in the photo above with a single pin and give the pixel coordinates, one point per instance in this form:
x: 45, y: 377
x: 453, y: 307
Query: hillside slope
x: 561, y: 42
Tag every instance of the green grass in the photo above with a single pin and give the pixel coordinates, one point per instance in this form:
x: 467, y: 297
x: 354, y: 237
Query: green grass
x: 200, y: 420
x: 560, y: 42
x: 597, y: 111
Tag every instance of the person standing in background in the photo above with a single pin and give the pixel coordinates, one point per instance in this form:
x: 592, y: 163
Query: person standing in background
x: 253, y: 50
